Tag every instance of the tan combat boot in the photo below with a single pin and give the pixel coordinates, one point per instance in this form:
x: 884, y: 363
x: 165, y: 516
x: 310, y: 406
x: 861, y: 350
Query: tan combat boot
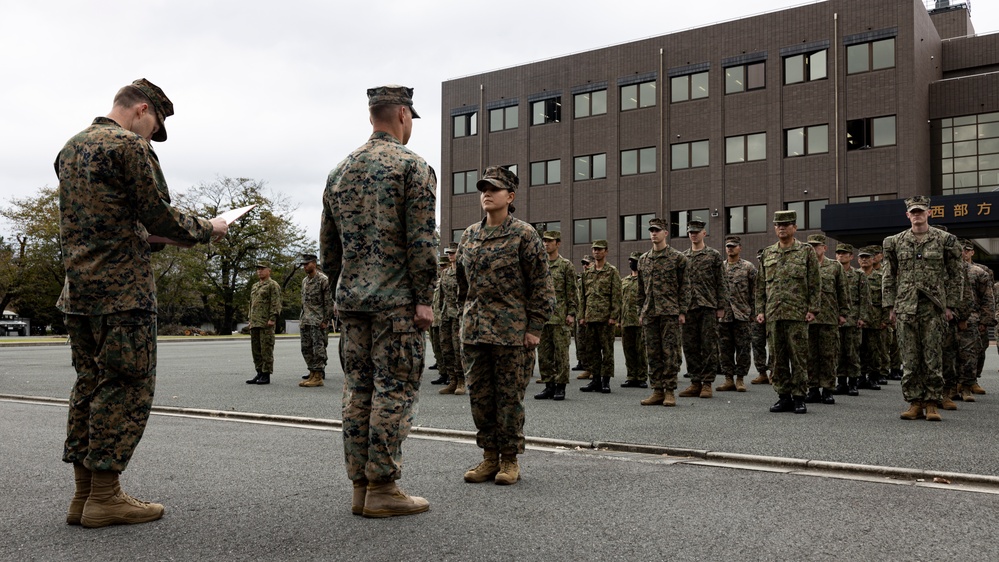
x: 654, y: 400
x: 760, y: 379
x: 693, y: 390
x: 82, y: 476
x: 977, y: 389
x: 669, y: 400
x: 315, y: 379
x: 948, y: 403
x: 108, y: 505
x: 452, y: 386
x: 914, y: 412
x: 705, y: 391
x: 509, y: 471
x: 740, y: 384
x: 485, y: 470
x: 584, y: 375
x: 931, y: 412
x: 966, y: 394
x: 357, y: 501
x: 387, y: 500
x: 460, y: 389
x: 727, y: 386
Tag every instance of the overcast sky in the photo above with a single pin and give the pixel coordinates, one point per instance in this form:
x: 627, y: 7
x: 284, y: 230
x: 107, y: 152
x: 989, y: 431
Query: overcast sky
x: 275, y: 91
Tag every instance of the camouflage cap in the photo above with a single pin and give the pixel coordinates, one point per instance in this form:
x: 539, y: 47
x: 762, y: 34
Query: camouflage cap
x: 967, y: 244
x: 635, y: 255
x: 161, y: 103
x: 942, y: 227
x: 877, y: 249
x: 733, y: 241
x: 695, y: 224
x: 917, y: 202
x: 392, y: 94
x: 586, y: 259
x: 443, y: 260
x: 600, y: 244
x: 306, y: 258
x: 263, y: 264
x: 817, y: 239
x: 552, y: 235
x: 785, y: 216
x: 845, y: 248
x: 866, y: 251
x: 498, y: 176
x: 657, y: 224
x: 452, y: 248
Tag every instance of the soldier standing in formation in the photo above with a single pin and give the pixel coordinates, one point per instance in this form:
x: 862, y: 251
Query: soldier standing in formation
x: 760, y: 359
x: 600, y: 311
x: 507, y: 296
x: 383, y: 265
x: 265, y: 308
x: 553, y: 350
x: 112, y: 194
x: 437, y: 306
x: 874, y: 336
x: 632, y: 342
x: 922, y: 286
x: 317, y: 313
x: 663, y: 296
x: 788, y: 298
x: 850, y: 334
x: 980, y: 315
x: 735, y: 328
x: 583, y: 355
x: 823, y: 331
x: 983, y: 280
x: 709, y: 298
x: 450, y: 364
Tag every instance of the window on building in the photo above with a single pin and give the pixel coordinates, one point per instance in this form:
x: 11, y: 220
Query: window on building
x: 541, y: 227
x: 866, y: 57
x: 589, y: 167
x: 638, y: 161
x: 870, y: 133
x: 745, y: 148
x: 745, y: 220
x: 590, y: 103
x: 803, y: 141
x: 546, y: 172
x: 869, y: 198
x: 689, y: 87
x: 546, y: 111
x: 466, y: 125
x: 805, y: 67
x: 456, y: 235
x: 969, y: 154
x: 689, y: 155
x: 635, y: 96
x: 636, y: 227
x: 464, y: 182
x: 678, y: 221
x: 512, y: 168
x: 809, y: 213
x: 745, y: 77
x: 503, y: 118
x: 585, y: 231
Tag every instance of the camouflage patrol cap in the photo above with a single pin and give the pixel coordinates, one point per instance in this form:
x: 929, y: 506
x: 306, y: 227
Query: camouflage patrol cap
x: 967, y: 244
x: 306, y: 258
x: 161, y: 103
x: 599, y: 245
x: 498, y: 176
x: 657, y: 224
x: 785, y: 216
x: 817, y: 239
x: 392, y: 94
x: 695, y: 224
x: 552, y: 235
x: 917, y: 202
x: 263, y: 264
x: 586, y: 260
x: 733, y: 241
x: 452, y: 248
x: 866, y: 251
x: 635, y: 255
x: 877, y: 249
x: 845, y: 248
x: 443, y: 260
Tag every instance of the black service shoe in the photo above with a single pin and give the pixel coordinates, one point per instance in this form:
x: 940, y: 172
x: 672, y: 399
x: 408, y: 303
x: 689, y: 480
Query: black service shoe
x: 594, y: 385
x: 799, y: 405
x: 785, y: 404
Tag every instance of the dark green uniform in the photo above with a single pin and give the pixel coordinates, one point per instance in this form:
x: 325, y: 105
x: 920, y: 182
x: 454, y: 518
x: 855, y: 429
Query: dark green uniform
x: 265, y: 305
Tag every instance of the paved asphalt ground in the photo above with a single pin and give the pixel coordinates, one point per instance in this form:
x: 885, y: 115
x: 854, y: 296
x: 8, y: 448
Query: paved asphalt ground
x: 236, y: 490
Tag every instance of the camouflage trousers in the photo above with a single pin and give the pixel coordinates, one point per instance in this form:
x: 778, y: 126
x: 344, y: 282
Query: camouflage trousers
x: 983, y: 346
x: 115, y: 359
x: 948, y: 359
x: 662, y: 343
x: 600, y: 348
x: 553, y: 354
x: 449, y: 361
x: 969, y: 349
x: 435, y: 344
x: 262, y: 348
x: 823, y: 355
x: 700, y: 344
x: 920, y: 344
x: 874, y: 353
x: 314, y: 342
x: 735, y: 339
x: 894, y: 355
x: 789, y: 344
x: 584, y: 355
x: 635, y: 357
x: 849, y: 351
x: 497, y: 378
x: 759, y: 332
x: 382, y: 354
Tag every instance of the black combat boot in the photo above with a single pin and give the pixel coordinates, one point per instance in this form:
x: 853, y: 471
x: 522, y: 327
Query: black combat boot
x: 442, y: 379
x: 784, y: 404
x: 605, y: 385
x: 594, y: 385
x: 559, y: 392
x: 255, y: 379
x: 264, y: 378
x: 813, y: 396
x: 579, y: 367
x: 852, y: 387
x: 827, y: 396
x: 799, y: 405
x: 842, y: 386
x: 872, y: 382
x: 547, y: 393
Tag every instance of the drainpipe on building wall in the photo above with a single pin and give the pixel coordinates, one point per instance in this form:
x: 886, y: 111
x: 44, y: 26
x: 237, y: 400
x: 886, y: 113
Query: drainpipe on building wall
x: 836, y: 94
x: 482, y: 134
x: 662, y: 137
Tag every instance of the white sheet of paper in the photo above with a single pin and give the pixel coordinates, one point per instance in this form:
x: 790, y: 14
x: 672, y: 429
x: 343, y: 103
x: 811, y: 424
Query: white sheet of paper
x: 229, y: 217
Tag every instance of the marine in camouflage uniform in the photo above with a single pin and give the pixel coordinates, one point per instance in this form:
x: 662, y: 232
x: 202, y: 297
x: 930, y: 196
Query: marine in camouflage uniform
x: 983, y: 331
x: 584, y: 356
x: 507, y: 296
x: 317, y: 312
x: 980, y: 313
x: 379, y: 245
x: 788, y: 297
x: 735, y: 328
x: 437, y: 306
x: 922, y: 287
x: 112, y: 196
x: 553, y: 350
x: 874, y: 336
x: 759, y: 334
x: 600, y: 311
x: 450, y: 364
x: 891, y: 335
x: 708, y: 301
x: 823, y: 332
x: 850, y: 334
x: 663, y: 296
x: 265, y: 308
x: 632, y: 341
